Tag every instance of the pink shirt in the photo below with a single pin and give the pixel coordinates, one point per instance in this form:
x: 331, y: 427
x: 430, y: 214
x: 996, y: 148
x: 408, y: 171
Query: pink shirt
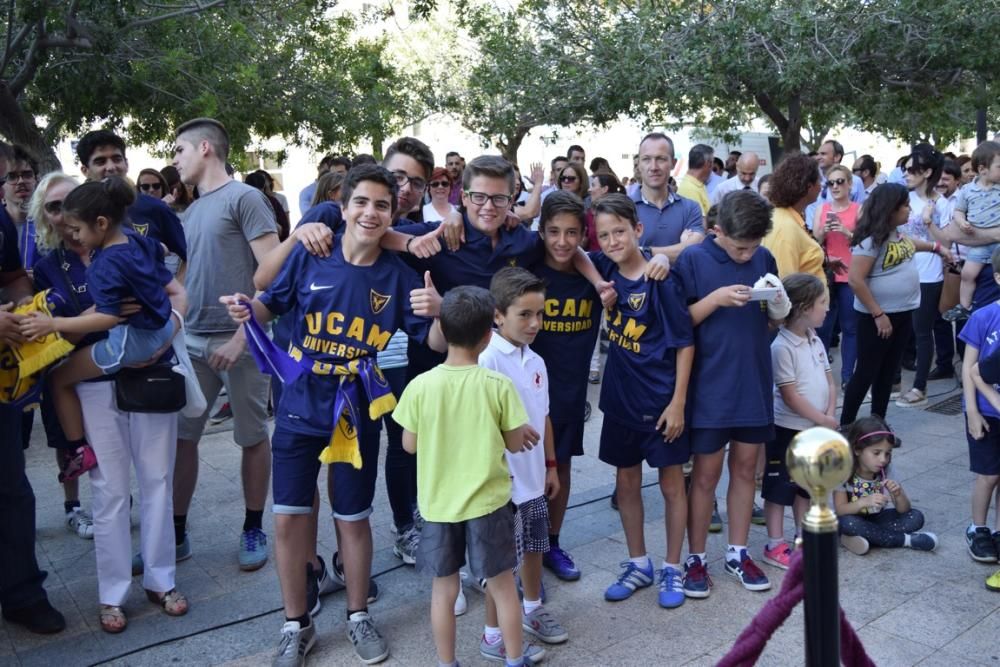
x: 836, y: 244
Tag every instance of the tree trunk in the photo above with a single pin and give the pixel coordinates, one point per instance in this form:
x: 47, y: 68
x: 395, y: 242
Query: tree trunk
x: 19, y: 127
x: 510, y: 147
x: 789, y: 126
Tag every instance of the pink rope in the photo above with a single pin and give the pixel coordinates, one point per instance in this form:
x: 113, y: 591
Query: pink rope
x: 751, y: 642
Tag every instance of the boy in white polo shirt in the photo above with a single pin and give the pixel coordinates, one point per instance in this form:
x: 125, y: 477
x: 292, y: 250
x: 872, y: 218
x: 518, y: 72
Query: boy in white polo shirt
x: 520, y: 304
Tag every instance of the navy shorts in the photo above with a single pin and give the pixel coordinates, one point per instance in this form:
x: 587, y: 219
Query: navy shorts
x: 778, y: 487
x: 296, y: 465
x: 568, y: 438
x: 624, y: 447
x: 984, y: 455
x: 711, y: 440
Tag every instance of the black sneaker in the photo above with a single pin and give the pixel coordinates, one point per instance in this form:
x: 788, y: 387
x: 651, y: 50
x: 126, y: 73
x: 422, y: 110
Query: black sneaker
x: 941, y: 373
x: 320, y: 583
x: 41, y: 618
x: 336, y: 575
x: 981, y: 545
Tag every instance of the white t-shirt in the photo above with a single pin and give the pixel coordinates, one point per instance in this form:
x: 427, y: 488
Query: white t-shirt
x: 928, y: 263
x: 431, y: 214
x: 527, y: 371
x: 804, y: 363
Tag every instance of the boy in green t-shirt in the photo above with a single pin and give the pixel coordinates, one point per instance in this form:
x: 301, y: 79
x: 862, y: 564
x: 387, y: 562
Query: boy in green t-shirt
x: 463, y: 416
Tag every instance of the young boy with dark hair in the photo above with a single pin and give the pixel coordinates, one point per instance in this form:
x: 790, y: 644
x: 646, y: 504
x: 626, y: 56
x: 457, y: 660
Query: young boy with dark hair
x: 345, y: 308
x: 520, y: 308
x: 467, y: 511
x: 731, y: 379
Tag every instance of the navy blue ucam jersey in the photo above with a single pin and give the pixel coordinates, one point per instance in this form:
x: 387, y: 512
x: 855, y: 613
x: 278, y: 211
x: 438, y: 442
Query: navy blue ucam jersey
x: 150, y: 217
x: 566, y: 340
x: 647, y: 326
x: 131, y: 270
x: 327, y: 212
x: 339, y: 312
x: 731, y: 383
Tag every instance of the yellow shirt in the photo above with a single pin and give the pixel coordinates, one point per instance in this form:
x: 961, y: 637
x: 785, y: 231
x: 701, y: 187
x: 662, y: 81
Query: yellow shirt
x: 459, y: 414
x: 794, y: 249
x: 691, y: 188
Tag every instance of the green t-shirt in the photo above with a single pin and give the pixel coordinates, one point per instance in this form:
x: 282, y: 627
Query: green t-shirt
x: 459, y: 414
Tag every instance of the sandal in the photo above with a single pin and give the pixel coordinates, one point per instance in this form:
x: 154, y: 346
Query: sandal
x: 113, y: 619
x: 914, y: 398
x: 172, y: 602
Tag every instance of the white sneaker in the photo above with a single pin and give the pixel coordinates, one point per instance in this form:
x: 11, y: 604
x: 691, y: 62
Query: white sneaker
x: 81, y: 523
x: 461, y: 604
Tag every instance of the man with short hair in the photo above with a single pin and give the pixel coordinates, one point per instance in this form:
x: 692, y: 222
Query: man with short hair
x: 576, y: 154
x: 18, y: 186
x: 670, y: 222
x: 308, y: 192
x: 734, y: 157
x: 22, y: 596
x: 229, y: 229
x: 866, y: 169
x: 557, y: 164
x: 102, y: 154
x: 341, y: 165
x: 716, y: 177
x: 745, y: 179
x: 692, y: 186
x: 454, y: 163
x: 831, y: 153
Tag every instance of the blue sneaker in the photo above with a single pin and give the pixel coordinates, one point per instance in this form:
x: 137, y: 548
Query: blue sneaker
x: 744, y: 569
x: 253, y: 549
x: 697, y: 583
x: 671, y: 589
x: 632, y: 578
x: 561, y: 564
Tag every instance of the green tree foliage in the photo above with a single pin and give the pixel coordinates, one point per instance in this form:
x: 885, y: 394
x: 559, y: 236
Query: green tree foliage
x: 907, y: 68
x: 265, y: 68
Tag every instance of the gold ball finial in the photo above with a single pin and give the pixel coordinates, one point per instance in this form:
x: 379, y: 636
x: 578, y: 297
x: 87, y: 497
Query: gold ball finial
x: 819, y: 460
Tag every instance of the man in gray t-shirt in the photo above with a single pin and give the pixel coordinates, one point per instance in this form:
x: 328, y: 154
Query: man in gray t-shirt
x: 228, y: 229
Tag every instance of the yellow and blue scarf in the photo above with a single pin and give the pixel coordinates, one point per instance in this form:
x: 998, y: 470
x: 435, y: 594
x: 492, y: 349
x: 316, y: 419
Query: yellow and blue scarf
x: 343, y: 446
x: 21, y: 365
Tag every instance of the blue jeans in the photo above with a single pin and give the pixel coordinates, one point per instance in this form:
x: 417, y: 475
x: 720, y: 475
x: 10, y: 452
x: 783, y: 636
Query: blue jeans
x: 842, y: 311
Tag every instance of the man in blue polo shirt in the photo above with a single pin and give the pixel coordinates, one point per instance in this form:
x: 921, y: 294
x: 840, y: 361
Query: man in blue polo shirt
x: 670, y: 222
x: 102, y: 154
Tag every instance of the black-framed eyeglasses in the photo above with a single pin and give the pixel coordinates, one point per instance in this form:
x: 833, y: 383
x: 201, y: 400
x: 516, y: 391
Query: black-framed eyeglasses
x: 146, y: 187
x: 914, y: 170
x: 402, y: 178
x: 439, y: 184
x: 53, y: 207
x: 856, y: 171
x: 15, y: 176
x: 567, y: 179
x: 480, y: 198
x: 836, y: 181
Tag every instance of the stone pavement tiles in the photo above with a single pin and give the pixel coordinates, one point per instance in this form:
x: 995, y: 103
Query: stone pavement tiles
x: 909, y: 608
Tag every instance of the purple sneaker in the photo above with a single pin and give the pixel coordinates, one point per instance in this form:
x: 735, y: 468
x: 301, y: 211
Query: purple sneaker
x: 561, y: 564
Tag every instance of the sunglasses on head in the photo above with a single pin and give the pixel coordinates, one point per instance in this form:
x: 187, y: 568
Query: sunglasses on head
x: 146, y: 187
x: 836, y: 181
x: 53, y: 207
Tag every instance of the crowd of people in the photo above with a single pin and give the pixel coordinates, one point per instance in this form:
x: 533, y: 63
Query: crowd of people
x: 462, y: 308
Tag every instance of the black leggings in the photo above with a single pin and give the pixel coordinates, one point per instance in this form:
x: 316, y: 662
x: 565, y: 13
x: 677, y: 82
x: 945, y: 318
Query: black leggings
x: 400, y: 465
x: 924, y: 318
x: 878, y: 360
x: 885, y: 529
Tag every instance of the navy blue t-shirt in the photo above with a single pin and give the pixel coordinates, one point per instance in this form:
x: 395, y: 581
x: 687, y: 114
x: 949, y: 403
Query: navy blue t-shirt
x: 327, y: 212
x: 731, y: 382
x: 987, y: 290
x: 10, y: 260
x: 338, y: 312
x: 645, y: 329
x: 566, y: 340
x: 134, y: 269
x: 152, y: 218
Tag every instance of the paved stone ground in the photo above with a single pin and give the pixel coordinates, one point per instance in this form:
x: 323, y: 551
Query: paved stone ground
x: 909, y: 608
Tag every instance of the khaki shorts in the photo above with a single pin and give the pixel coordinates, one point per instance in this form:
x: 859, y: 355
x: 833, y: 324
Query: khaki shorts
x: 246, y: 386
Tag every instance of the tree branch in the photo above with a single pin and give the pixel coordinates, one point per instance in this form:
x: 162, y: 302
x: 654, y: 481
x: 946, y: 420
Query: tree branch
x: 31, y: 63
x: 198, y: 6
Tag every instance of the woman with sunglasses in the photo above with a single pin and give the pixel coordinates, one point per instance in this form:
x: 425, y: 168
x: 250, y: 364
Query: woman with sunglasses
x: 833, y: 226
x: 573, y: 178
x: 927, y: 207
x: 438, y: 208
x: 152, y: 183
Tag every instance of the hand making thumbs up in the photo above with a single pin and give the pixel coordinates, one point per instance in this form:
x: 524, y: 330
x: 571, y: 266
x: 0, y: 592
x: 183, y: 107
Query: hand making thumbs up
x: 425, y: 300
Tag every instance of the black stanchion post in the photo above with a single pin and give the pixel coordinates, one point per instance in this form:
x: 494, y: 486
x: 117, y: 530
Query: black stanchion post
x: 819, y: 460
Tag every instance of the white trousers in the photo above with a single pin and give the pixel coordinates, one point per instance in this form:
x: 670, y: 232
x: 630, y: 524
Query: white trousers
x: 122, y: 440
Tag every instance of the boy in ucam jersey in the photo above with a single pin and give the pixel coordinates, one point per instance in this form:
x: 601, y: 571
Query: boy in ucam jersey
x: 565, y: 341
x: 520, y: 308
x: 345, y: 308
x: 644, y: 396
x: 731, y: 381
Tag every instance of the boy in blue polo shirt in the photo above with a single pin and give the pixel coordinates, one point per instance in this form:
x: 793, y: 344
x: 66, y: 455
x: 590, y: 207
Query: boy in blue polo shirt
x: 644, y: 396
x: 345, y: 308
x: 731, y: 380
